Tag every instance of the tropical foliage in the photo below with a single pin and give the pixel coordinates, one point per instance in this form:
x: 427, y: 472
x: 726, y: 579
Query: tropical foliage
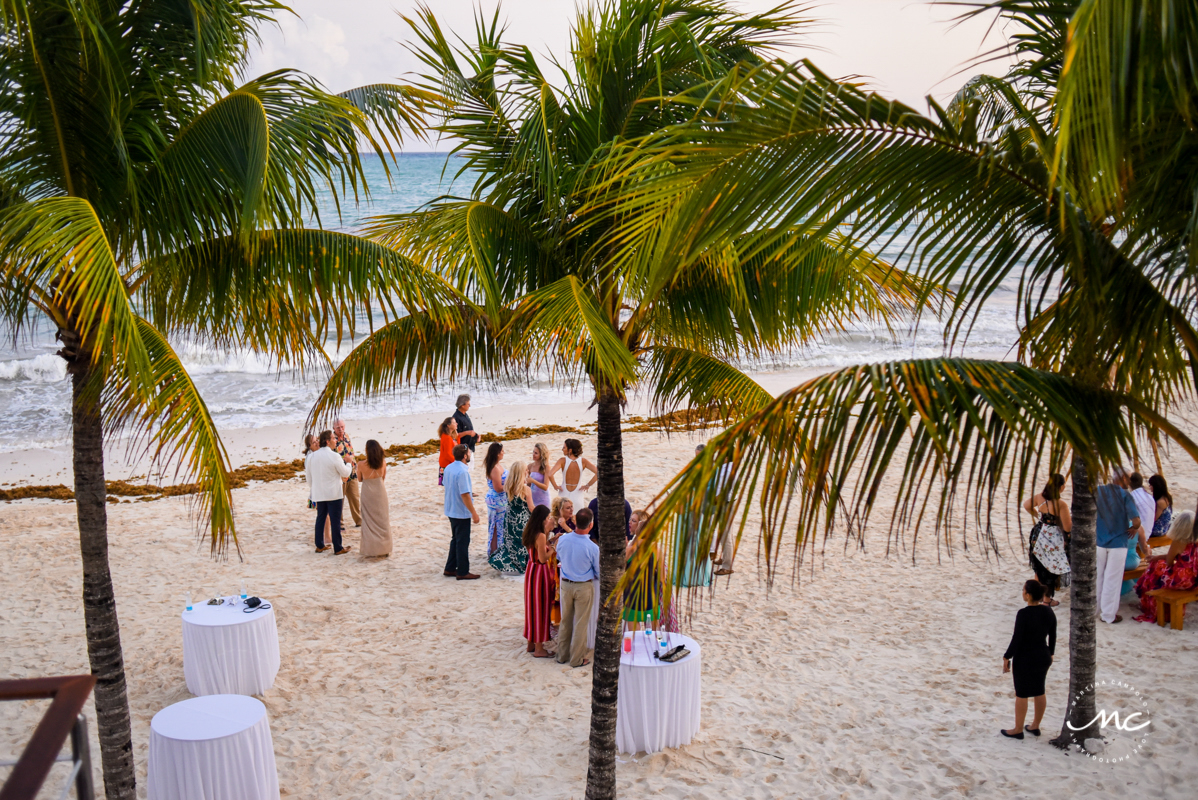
x: 148, y: 194
x: 1071, y: 179
x: 531, y: 247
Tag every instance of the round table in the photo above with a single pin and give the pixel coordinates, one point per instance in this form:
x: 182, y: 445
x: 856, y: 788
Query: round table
x: 229, y: 651
x: 212, y: 748
x: 659, y: 703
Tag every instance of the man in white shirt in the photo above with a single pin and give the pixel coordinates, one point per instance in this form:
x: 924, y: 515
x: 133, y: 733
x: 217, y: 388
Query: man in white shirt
x: 326, y: 474
x: 1147, y: 506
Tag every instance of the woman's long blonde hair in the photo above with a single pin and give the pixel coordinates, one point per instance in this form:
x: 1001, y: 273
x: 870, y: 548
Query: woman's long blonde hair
x: 515, y: 480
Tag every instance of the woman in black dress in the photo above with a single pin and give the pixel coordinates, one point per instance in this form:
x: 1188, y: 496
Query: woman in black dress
x: 1031, y: 648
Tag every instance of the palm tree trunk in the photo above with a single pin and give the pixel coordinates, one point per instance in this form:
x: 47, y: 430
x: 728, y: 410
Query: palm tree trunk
x: 99, y: 603
x: 601, y: 772
x: 1083, y: 610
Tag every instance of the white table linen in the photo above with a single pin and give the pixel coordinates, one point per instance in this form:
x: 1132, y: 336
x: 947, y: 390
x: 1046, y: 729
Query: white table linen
x: 212, y: 748
x: 659, y: 703
x: 229, y: 651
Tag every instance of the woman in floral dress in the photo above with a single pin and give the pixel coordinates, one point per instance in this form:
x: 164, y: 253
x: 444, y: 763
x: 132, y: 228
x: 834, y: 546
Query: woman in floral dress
x: 511, y: 557
x: 1177, y: 570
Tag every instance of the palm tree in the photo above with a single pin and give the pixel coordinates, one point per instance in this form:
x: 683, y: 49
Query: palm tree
x: 540, y: 286
x: 1074, y: 174
x: 146, y: 193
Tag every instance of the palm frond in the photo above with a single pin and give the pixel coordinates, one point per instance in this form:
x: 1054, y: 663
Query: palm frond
x: 565, y: 322
x: 285, y: 288
x: 679, y: 378
x: 168, y: 412
x: 955, y: 426
x: 58, y: 246
x: 417, y: 349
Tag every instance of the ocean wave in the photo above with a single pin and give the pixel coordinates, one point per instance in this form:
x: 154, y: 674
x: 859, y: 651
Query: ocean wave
x: 45, y: 368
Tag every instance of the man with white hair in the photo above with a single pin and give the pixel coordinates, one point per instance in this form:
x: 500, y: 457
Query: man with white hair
x: 1118, y: 522
x: 345, y: 448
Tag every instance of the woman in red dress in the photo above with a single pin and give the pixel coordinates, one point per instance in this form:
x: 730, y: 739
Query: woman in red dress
x: 538, y: 581
x: 1177, y: 570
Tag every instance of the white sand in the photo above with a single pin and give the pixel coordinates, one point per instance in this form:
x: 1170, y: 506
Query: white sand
x: 872, y: 677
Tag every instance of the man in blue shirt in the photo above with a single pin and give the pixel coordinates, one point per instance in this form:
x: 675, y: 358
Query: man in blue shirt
x: 1118, y: 519
x: 459, y: 507
x: 578, y: 558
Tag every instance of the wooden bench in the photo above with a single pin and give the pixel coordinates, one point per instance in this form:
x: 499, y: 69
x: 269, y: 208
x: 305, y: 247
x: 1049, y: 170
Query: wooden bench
x: 1159, y: 541
x: 1134, y: 573
x: 1171, y: 605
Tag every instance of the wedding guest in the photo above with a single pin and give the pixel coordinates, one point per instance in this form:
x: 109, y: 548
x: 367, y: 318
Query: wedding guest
x: 1118, y: 521
x: 459, y: 507
x: 563, y: 517
x: 571, y: 465
x: 578, y: 558
x: 447, y: 432
x: 692, y: 559
x: 725, y: 544
x: 539, y: 584
x: 1178, y: 569
x: 1164, y: 505
x: 311, y: 445
x: 345, y: 448
x: 536, y: 475
x: 1146, y: 505
x: 326, y: 473
x: 1031, y: 649
x: 642, y: 600
x: 1048, y: 542
x: 466, y: 433
x: 496, y: 497
x: 376, y: 508
x: 511, y: 557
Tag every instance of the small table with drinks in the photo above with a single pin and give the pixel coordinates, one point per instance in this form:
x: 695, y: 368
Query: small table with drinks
x: 230, y: 648
x: 659, y: 702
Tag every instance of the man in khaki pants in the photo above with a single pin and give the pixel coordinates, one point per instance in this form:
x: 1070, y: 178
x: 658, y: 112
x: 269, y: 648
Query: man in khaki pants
x: 345, y: 448
x: 578, y: 558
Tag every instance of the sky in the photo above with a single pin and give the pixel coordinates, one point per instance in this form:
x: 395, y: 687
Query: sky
x: 903, y: 48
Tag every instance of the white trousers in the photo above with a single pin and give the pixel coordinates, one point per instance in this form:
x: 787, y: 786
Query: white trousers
x: 1111, y: 562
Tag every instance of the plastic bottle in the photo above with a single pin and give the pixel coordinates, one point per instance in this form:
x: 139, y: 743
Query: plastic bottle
x: 187, y: 597
x: 244, y: 595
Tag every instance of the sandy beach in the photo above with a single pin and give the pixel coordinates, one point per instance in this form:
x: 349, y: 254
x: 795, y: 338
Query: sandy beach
x: 871, y: 676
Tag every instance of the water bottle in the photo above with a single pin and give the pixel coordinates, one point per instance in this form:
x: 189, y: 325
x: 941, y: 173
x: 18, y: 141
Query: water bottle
x: 663, y: 642
x: 244, y: 595
x: 187, y: 597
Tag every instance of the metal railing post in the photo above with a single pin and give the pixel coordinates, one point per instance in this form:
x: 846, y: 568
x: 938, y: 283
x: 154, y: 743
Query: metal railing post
x: 81, y: 754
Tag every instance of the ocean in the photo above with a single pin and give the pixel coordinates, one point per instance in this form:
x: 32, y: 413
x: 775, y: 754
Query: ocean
x: 244, y: 390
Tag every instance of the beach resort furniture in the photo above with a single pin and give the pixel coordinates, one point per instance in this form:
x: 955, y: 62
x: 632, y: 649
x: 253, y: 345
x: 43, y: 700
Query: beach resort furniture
x: 1171, y: 605
x: 659, y: 703
x: 1159, y: 541
x: 212, y: 748
x: 229, y: 651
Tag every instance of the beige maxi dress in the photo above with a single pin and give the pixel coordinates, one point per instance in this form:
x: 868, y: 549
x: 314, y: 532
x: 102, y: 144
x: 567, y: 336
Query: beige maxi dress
x: 376, y: 512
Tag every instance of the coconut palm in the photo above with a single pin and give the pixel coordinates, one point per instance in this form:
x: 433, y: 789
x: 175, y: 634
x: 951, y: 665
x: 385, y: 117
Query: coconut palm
x: 540, y: 287
x: 148, y: 194
x: 1074, y: 176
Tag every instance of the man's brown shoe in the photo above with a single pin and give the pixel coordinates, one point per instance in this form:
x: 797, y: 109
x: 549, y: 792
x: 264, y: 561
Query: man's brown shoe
x: 342, y: 551
x: 449, y: 573
x: 468, y: 577
x: 322, y: 549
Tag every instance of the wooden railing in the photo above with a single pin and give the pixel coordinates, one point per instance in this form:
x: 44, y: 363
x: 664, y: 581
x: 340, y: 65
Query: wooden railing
x: 63, y: 718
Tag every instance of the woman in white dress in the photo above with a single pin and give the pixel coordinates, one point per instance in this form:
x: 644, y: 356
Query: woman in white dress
x: 571, y: 465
